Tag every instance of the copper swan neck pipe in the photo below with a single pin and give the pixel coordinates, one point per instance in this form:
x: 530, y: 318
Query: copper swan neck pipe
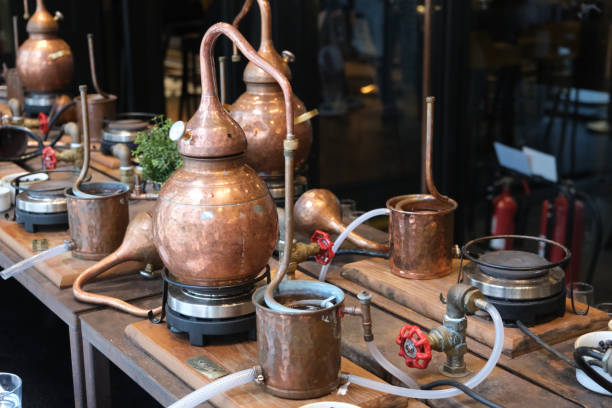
x: 246, y: 7
x: 137, y: 245
x: 92, y: 65
x: 429, y: 152
x: 207, y: 64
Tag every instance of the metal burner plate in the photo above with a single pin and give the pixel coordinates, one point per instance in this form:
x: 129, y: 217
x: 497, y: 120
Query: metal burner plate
x: 509, y: 258
x: 40, y: 204
x: 123, y: 130
x: 540, y: 287
x: 207, y: 306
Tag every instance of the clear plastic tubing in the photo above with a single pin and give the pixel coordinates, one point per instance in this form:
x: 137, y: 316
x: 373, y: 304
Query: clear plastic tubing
x: 215, y: 388
x: 357, y: 222
x: 387, y: 365
x: 29, y: 262
x: 450, y: 392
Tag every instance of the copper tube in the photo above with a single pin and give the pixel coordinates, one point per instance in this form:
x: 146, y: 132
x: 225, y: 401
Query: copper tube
x: 429, y: 151
x: 26, y: 10
x: 222, y: 79
x: 319, y: 209
x: 92, y: 65
x: 426, y: 88
x: 15, y: 36
x: 243, y: 12
x: 85, y: 116
x: 136, y: 246
x: 138, y: 194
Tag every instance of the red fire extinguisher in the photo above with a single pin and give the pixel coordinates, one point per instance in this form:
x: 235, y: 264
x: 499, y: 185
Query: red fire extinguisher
x: 502, y: 222
x: 563, y: 222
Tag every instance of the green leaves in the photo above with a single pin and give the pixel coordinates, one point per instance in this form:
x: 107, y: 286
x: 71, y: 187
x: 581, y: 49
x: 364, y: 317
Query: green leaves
x: 156, y: 153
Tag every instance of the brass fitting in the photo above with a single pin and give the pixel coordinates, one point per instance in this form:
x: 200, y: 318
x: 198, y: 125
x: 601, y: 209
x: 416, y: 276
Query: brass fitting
x: 299, y: 253
x: 75, y: 154
x: 126, y: 170
x: 450, y: 338
x: 365, y: 298
x: 139, y: 194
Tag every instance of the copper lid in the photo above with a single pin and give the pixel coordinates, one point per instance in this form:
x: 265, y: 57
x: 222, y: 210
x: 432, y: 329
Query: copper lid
x: 254, y: 74
x: 42, y: 22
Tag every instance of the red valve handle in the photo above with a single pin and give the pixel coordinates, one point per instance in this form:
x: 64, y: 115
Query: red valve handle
x: 414, y: 346
x: 49, y: 159
x: 326, y: 254
x: 44, y: 123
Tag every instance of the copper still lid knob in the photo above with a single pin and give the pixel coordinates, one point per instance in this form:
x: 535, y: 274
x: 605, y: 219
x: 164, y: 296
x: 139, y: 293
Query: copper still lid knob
x: 42, y: 22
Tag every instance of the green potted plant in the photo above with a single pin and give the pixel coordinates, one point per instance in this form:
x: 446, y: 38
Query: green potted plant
x: 156, y: 153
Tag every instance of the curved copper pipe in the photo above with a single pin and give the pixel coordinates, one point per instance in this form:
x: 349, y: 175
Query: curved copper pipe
x: 243, y: 12
x: 429, y: 152
x: 208, y: 88
x: 319, y: 209
x: 92, y: 66
x: 136, y: 246
x: 85, y: 130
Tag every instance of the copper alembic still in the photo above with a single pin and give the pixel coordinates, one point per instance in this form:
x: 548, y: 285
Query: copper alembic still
x: 44, y: 61
x: 260, y: 111
x: 97, y: 212
x: 420, y: 225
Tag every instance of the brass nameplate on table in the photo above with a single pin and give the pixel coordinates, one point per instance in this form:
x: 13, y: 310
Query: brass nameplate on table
x: 207, y: 367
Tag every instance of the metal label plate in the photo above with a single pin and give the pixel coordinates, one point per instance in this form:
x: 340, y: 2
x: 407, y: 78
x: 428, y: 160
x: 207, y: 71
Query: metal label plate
x: 207, y: 368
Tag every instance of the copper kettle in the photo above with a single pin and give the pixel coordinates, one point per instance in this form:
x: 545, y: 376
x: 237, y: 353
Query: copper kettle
x: 215, y: 223
x: 260, y: 111
x: 44, y: 61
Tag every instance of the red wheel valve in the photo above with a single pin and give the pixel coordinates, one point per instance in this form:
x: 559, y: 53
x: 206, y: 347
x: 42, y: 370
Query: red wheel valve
x: 414, y: 346
x: 49, y: 159
x: 44, y: 123
x: 325, y: 243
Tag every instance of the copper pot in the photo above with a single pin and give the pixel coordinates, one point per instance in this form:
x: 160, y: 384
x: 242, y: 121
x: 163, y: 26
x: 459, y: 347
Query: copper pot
x: 44, y: 61
x: 215, y: 222
x: 299, y: 353
x: 100, y: 108
x: 98, y: 224
x: 260, y: 110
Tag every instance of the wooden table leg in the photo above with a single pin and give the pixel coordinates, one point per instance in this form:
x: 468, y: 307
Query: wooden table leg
x: 76, y: 357
x: 97, y: 378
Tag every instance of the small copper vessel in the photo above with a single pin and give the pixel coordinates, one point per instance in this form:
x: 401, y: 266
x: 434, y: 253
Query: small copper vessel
x: 299, y: 353
x: 215, y: 222
x: 260, y: 111
x: 44, y: 61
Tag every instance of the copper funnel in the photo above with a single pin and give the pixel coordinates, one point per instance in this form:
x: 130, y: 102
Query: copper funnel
x: 215, y: 223
x: 319, y: 209
x: 136, y: 246
x: 44, y: 61
x: 260, y: 111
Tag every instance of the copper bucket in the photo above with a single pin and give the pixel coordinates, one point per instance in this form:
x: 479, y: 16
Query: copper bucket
x: 300, y: 352
x: 421, y: 236
x: 100, y: 108
x: 98, y: 224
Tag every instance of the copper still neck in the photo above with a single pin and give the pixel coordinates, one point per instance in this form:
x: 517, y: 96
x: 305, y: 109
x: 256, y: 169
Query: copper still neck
x: 211, y: 132
x: 42, y: 23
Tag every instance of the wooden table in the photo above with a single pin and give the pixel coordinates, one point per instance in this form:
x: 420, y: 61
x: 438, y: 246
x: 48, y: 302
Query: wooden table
x: 63, y: 304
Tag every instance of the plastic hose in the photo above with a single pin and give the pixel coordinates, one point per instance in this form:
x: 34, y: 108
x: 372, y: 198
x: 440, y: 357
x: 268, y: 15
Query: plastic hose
x: 387, y: 365
x: 451, y: 392
x: 43, y: 256
x: 215, y: 388
x: 358, y: 221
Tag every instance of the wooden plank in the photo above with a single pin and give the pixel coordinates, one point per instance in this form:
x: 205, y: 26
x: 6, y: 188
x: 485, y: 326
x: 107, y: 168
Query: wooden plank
x: 110, y: 162
x: 423, y: 297
x: 173, y: 351
x: 63, y: 269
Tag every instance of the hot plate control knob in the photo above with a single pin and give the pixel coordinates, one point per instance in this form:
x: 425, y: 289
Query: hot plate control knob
x: 325, y: 243
x: 414, y: 346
